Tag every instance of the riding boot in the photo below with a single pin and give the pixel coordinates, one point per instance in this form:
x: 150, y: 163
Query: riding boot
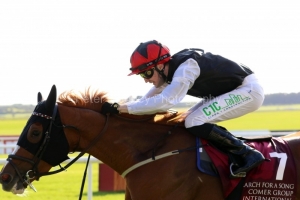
x: 225, y: 141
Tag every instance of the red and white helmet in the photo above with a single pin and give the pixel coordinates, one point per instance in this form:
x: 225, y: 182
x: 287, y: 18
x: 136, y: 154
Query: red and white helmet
x: 148, y: 55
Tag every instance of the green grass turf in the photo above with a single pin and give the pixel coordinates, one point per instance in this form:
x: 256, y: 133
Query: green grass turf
x: 266, y: 120
x: 11, y: 126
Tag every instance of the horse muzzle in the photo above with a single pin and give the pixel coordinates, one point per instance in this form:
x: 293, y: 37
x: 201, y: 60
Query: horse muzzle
x: 12, y: 184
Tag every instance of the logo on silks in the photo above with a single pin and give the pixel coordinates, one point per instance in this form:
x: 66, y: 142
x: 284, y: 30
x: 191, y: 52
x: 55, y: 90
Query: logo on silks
x: 221, y: 106
x: 272, y: 180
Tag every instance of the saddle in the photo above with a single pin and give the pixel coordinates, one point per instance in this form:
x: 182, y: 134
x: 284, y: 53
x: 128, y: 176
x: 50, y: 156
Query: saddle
x: 273, y: 178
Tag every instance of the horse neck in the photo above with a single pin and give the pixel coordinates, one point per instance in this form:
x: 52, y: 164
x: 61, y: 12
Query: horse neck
x: 127, y: 142
x: 83, y: 126
x: 123, y: 144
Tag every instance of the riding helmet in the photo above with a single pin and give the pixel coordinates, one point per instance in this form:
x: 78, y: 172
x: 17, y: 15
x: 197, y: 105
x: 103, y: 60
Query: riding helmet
x: 148, y: 55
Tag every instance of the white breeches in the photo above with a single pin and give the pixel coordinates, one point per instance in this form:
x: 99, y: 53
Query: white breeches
x: 246, y: 98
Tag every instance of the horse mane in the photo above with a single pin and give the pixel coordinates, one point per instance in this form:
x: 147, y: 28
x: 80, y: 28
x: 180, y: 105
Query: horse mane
x: 88, y: 99
x: 94, y: 101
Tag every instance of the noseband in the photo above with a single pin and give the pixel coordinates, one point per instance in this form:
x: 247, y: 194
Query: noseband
x: 26, y: 179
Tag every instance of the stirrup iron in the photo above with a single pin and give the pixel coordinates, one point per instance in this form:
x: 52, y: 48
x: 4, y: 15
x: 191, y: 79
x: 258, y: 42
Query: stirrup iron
x: 239, y: 175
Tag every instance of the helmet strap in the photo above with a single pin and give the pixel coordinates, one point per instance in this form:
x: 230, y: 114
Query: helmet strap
x: 161, y: 72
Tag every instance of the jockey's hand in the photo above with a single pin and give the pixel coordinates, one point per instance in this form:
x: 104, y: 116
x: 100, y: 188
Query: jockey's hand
x: 110, y: 108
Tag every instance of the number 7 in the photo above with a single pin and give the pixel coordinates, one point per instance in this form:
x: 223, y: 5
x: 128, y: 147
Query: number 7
x: 282, y: 164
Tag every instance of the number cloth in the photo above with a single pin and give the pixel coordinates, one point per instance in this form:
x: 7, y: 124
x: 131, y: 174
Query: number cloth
x: 274, y: 179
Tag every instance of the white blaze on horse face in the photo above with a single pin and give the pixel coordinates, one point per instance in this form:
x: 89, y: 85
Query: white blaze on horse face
x: 14, y: 190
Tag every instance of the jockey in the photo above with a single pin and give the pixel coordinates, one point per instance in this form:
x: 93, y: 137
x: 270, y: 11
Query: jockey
x: 226, y: 89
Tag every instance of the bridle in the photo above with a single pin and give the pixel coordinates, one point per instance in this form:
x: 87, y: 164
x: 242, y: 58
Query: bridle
x: 26, y: 179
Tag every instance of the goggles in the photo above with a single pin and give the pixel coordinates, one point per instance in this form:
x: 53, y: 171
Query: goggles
x: 147, y: 74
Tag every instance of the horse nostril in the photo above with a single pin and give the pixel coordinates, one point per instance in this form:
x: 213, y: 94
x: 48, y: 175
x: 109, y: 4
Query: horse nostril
x: 6, y: 178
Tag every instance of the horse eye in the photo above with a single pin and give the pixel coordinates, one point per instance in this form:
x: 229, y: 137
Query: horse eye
x: 35, y: 133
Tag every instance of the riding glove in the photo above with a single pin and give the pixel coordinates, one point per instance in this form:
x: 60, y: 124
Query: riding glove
x: 110, y: 108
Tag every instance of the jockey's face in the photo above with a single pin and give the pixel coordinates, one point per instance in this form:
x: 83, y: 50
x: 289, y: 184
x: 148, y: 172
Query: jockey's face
x: 157, y: 80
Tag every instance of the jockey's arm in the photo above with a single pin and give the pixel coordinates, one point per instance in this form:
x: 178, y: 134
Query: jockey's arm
x: 159, y: 101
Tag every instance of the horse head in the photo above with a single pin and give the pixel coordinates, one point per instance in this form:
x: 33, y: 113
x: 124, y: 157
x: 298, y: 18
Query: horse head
x: 41, y: 145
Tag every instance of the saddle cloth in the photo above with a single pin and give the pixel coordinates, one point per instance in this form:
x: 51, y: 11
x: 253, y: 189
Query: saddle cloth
x: 274, y: 179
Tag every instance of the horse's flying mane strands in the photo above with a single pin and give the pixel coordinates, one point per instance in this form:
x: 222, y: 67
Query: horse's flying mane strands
x: 89, y: 100
x: 94, y: 101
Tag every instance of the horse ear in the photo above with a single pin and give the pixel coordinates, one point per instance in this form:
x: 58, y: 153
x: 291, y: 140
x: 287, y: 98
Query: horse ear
x: 39, y: 97
x: 51, y: 99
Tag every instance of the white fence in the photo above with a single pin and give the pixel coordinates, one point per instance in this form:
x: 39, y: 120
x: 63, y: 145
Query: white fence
x: 7, y: 144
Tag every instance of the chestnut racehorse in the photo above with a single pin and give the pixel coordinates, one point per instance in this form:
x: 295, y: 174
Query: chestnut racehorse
x: 127, y: 143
